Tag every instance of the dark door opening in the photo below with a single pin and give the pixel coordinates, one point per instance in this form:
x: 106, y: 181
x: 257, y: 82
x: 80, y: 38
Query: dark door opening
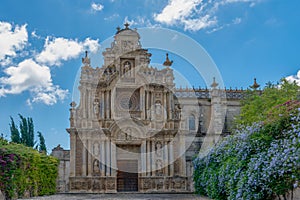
x: 127, y: 176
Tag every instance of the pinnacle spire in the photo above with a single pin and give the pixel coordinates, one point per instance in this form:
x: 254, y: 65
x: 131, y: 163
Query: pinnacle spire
x: 86, y: 59
x: 255, y: 85
x: 214, y: 84
x: 167, y: 62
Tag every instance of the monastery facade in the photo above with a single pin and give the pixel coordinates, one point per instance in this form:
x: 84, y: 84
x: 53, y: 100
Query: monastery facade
x: 133, y: 130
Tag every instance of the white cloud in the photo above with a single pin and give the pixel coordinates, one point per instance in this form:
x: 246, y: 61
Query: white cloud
x: 97, y: 7
x: 140, y: 21
x: 91, y: 45
x: 295, y: 78
x: 50, y: 95
x: 31, y: 76
x: 34, y: 35
x: 57, y: 50
x: 112, y: 17
x: 200, y: 23
x: 176, y: 10
x: 12, y: 40
x: 237, y: 20
x: 196, y: 15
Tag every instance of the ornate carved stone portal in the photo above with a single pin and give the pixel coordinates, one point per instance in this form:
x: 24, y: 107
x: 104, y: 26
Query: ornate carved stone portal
x: 130, y: 131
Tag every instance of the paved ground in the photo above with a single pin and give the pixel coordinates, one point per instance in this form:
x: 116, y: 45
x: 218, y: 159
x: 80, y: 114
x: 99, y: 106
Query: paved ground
x: 123, y: 196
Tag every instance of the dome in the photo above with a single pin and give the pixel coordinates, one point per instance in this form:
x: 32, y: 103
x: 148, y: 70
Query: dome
x: 126, y: 31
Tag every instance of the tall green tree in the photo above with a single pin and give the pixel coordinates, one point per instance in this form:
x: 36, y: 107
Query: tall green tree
x: 27, y: 131
x: 15, y: 135
x: 30, y: 132
x: 260, y: 105
x: 42, y: 144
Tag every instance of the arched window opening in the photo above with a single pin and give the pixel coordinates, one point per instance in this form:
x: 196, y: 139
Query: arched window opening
x: 192, y: 124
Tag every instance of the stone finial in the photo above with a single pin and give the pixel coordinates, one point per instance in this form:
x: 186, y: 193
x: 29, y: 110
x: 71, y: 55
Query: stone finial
x: 168, y: 63
x: 118, y: 29
x: 73, y: 104
x: 214, y: 84
x: 86, y: 59
x: 126, y: 25
x: 255, y: 85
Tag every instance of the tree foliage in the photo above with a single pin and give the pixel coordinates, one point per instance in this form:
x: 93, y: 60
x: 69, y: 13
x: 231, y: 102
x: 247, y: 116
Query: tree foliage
x: 258, y: 105
x: 25, y: 172
x: 260, y: 160
x: 42, y: 145
x: 15, y: 135
x: 25, y: 133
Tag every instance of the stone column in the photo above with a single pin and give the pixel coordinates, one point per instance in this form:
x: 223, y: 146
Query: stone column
x: 170, y: 105
x: 109, y: 104
x: 90, y: 105
x: 150, y: 102
x: 83, y: 156
x: 105, y: 105
x: 153, y: 158
x: 102, y: 105
x: 90, y: 164
x: 143, y: 158
x: 164, y: 105
x: 148, y: 158
x: 171, y: 161
x: 102, y: 157
x: 166, y: 159
x: 145, y: 104
x: 72, y: 153
x: 113, y: 159
x: 84, y: 102
x: 142, y: 101
x: 182, y: 153
x: 108, y: 164
x: 112, y: 103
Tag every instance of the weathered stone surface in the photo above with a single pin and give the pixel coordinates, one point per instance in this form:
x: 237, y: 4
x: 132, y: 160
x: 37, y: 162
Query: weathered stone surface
x: 123, y: 196
x: 133, y: 130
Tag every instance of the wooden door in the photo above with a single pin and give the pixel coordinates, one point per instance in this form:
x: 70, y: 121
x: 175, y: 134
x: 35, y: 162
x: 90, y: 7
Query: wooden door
x: 127, y: 177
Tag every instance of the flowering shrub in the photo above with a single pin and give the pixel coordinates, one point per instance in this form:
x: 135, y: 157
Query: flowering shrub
x: 26, y: 172
x: 256, y: 162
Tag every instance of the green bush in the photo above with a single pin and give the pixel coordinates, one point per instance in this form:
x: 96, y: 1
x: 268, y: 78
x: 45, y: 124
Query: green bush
x: 261, y: 159
x: 259, y: 162
x: 25, y: 171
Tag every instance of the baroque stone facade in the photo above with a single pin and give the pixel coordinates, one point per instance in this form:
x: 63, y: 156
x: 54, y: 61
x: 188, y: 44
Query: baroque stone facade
x: 133, y: 130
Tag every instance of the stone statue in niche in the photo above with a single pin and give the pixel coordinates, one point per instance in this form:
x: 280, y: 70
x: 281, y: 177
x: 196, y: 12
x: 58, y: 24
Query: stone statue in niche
x: 127, y: 69
x: 159, y: 167
x: 96, y: 149
x: 96, y: 107
x: 96, y: 166
x: 177, y: 167
x: 158, y: 147
x: 177, y: 111
x: 158, y: 110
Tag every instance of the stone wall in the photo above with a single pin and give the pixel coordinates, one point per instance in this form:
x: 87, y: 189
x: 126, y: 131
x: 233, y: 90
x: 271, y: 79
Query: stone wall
x: 63, y: 169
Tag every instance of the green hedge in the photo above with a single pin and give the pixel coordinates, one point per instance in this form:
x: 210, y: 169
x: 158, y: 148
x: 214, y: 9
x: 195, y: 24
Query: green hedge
x: 26, y: 172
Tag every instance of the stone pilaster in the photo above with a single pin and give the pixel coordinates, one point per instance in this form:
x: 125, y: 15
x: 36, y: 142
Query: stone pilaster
x: 143, y: 158
x: 72, y: 153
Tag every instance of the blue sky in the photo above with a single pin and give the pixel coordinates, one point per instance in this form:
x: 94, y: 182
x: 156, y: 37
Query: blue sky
x: 42, y: 42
